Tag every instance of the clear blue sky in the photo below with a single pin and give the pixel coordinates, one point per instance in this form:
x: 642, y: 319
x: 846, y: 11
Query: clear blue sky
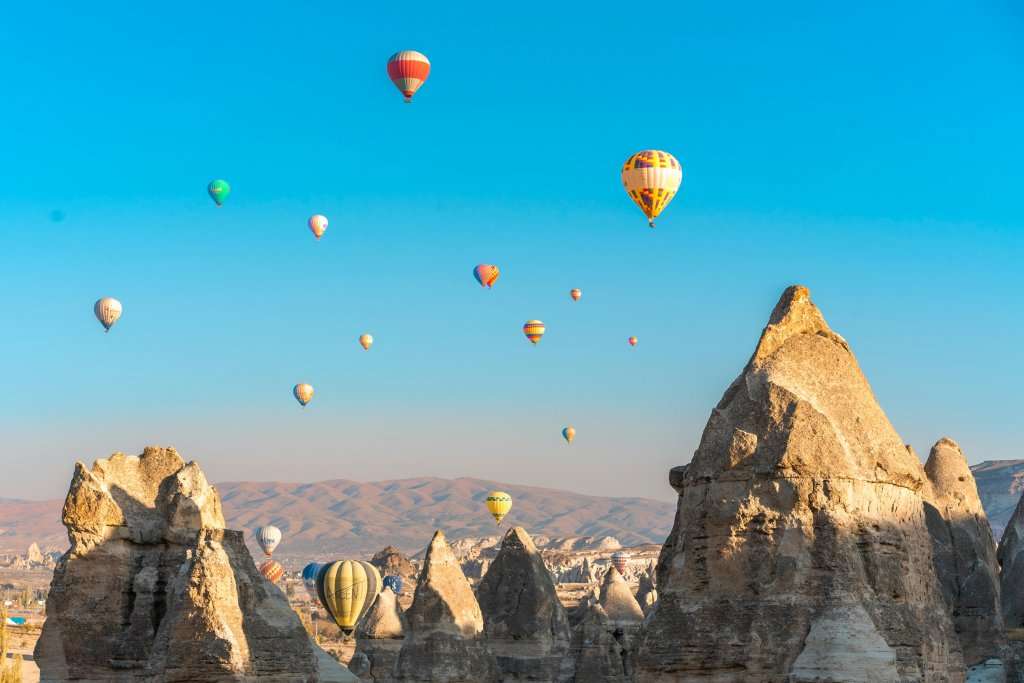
x: 872, y: 152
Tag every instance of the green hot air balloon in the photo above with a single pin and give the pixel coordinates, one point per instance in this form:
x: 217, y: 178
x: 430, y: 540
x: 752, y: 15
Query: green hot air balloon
x: 219, y: 191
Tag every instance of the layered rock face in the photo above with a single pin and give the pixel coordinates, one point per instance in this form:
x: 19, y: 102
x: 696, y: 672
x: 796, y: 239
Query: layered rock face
x: 155, y: 589
x: 965, y: 555
x: 444, y: 642
x: 597, y: 653
x: 391, y: 562
x: 1011, y: 560
x: 799, y: 550
x: 379, y: 637
x: 526, y: 625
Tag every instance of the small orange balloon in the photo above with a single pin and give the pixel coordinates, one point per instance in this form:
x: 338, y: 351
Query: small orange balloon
x: 366, y: 341
x: 632, y: 341
x: 576, y: 294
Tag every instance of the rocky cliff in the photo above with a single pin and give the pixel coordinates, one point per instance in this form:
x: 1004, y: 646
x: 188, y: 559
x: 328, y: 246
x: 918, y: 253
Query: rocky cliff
x: 154, y: 588
x: 799, y: 550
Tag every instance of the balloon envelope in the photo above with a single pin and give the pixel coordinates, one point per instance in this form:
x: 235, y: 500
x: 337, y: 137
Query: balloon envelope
x: 272, y: 571
x: 394, y: 582
x: 576, y: 294
x: 498, y: 504
x: 652, y: 178
x: 534, y: 330
x: 633, y: 341
x: 486, y: 274
x: 303, y: 393
x: 309, y: 573
x: 268, y: 537
x: 318, y: 225
x: 107, y: 310
x: 219, y: 191
x: 366, y: 341
x: 619, y: 561
x: 569, y: 433
x: 346, y: 589
x: 408, y: 70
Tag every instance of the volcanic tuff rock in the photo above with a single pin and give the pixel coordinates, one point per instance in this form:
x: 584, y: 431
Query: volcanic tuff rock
x: 525, y: 623
x: 391, y: 561
x: 596, y: 652
x: 964, y: 554
x: 1000, y: 484
x: 646, y: 594
x: 444, y: 642
x: 155, y: 589
x: 618, y: 601
x: 800, y: 531
x: 379, y: 637
x: 1011, y: 559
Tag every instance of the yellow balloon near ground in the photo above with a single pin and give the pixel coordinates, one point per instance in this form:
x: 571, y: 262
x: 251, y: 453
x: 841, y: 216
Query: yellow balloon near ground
x: 347, y: 588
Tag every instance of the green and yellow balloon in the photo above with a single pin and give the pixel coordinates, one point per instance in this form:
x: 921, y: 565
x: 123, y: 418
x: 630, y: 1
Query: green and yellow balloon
x: 219, y: 191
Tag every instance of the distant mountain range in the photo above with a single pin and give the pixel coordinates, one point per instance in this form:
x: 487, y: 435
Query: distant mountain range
x: 1000, y: 483
x: 338, y: 517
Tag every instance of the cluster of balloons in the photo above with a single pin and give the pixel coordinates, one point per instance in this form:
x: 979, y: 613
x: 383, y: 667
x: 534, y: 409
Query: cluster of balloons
x: 346, y: 589
x: 268, y: 538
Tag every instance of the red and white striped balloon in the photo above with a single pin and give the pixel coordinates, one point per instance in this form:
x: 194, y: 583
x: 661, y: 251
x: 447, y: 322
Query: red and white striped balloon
x: 408, y: 70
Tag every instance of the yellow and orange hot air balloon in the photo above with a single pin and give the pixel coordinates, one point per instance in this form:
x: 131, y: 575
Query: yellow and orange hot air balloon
x: 575, y: 293
x: 303, y: 393
x: 272, y: 571
x: 408, y: 70
x: 534, y: 330
x: 652, y: 178
x: 486, y: 274
x: 318, y: 225
x: 498, y: 504
x: 366, y: 341
x: 633, y: 341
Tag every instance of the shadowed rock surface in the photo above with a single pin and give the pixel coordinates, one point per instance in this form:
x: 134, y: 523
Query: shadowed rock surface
x: 1011, y: 560
x: 646, y: 594
x: 598, y: 655
x: 526, y: 626
x: 964, y: 554
x: 800, y: 533
x: 391, y: 562
x: 154, y: 588
x: 444, y: 642
x: 379, y: 637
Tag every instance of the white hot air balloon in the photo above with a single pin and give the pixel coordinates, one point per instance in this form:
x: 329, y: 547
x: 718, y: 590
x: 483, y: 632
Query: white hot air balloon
x: 107, y: 310
x: 268, y: 537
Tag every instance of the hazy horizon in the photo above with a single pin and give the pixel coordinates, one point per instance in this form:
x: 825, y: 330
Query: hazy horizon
x: 871, y: 153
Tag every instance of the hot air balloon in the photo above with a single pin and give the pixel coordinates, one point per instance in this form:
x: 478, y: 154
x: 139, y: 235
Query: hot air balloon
x: 534, y: 330
x: 346, y: 589
x: 318, y: 224
x: 652, y: 179
x: 219, y: 191
x: 309, y: 573
x: 107, y: 310
x: 576, y: 294
x: 366, y: 341
x: 272, y: 571
x: 498, y: 504
x: 394, y: 582
x: 569, y: 433
x: 633, y: 341
x: 268, y: 537
x: 303, y: 393
x: 620, y: 560
x: 408, y: 70
x: 486, y: 274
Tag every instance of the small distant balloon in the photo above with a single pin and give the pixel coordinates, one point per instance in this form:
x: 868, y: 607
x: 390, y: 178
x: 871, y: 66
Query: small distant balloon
x: 569, y: 433
x: 620, y: 560
x: 366, y: 341
x: 633, y: 341
x: 576, y: 294
x: 408, y: 70
x: 498, y: 504
x: 303, y: 393
x: 534, y: 330
x: 219, y: 191
x: 486, y: 274
x: 272, y: 571
x: 108, y: 311
x: 318, y: 225
x: 651, y: 179
x: 394, y: 582
x: 268, y: 537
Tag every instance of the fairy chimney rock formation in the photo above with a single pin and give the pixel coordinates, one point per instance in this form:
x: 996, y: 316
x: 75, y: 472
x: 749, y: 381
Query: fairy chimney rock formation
x: 379, y: 636
x: 964, y: 554
x: 525, y: 624
x: 392, y: 562
x: 154, y: 588
x: 646, y: 594
x: 800, y: 530
x: 597, y: 655
x: 444, y: 641
x: 1011, y: 559
x: 617, y: 600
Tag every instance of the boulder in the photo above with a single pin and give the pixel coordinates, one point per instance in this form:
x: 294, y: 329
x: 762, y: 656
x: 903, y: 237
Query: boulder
x: 618, y: 602
x: 379, y: 638
x: 526, y: 625
x: 444, y: 642
x: 154, y: 588
x: 964, y: 554
x: 799, y: 532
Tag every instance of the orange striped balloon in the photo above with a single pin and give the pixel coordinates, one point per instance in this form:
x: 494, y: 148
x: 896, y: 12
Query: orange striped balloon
x: 272, y: 571
x: 576, y: 293
x: 534, y: 330
x: 408, y: 70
